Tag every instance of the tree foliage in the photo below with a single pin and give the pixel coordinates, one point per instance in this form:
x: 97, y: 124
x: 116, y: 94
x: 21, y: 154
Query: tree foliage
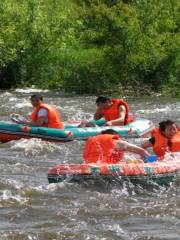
x: 90, y: 46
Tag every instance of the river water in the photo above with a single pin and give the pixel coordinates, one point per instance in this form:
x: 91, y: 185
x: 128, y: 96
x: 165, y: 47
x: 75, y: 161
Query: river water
x: 31, y: 209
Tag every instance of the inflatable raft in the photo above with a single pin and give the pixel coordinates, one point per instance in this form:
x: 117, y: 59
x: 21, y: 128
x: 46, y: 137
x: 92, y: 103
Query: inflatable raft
x: 161, y: 172
x: 13, y: 131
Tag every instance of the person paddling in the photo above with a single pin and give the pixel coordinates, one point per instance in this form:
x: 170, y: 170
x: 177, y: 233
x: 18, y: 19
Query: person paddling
x: 164, y: 139
x: 115, y: 111
x: 108, y: 147
x: 44, y: 115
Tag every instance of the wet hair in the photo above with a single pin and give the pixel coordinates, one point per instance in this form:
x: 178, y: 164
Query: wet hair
x: 164, y: 124
x: 102, y: 99
x: 37, y: 97
x: 109, y: 131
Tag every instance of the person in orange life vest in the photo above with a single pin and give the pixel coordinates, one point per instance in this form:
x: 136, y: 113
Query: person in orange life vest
x: 164, y: 139
x: 107, y: 147
x: 115, y: 111
x: 44, y: 115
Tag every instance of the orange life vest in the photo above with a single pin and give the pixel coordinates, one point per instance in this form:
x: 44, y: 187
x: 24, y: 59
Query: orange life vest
x: 113, y: 112
x: 163, y: 144
x: 54, y: 120
x: 100, y: 149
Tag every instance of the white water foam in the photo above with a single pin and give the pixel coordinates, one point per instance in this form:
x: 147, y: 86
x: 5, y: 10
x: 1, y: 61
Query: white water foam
x: 31, y: 90
x: 7, y: 195
x: 13, y: 183
x: 156, y: 110
x: 36, y: 146
x: 22, y: 104
x: 172, y: 156
x: 12, y: 99
x: 6, y: 94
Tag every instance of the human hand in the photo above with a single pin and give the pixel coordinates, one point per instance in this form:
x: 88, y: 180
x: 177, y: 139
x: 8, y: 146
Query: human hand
x: 145, y: 154
x: 109, y: 123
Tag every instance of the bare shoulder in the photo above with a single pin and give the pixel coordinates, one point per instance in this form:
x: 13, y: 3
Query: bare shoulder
x: 122, y: 108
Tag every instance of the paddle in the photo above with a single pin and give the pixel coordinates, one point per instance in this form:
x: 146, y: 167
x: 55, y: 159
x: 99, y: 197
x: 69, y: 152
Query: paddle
x: 17, y: 118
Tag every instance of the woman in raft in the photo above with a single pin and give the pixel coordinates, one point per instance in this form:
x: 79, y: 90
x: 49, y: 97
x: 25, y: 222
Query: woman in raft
x: 164, y: 139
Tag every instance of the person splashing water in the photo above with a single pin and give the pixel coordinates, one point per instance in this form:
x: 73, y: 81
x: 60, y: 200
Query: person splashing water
x: 108, y: 147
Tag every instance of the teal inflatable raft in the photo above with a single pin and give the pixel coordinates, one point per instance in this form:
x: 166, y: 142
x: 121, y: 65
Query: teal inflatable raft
x: 13, y: 131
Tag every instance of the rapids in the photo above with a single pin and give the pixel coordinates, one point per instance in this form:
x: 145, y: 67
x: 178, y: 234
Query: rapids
x: 32, y: 209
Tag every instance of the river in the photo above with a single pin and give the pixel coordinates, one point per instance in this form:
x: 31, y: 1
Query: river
x: 32, y: 209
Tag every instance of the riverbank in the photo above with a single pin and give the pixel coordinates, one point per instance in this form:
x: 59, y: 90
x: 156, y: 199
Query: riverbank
x: 91, y: 47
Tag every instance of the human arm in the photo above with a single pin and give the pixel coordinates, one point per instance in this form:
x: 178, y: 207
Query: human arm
x: 129, y: 147
x: 149, y: 143
x: 42, y: 117
x: 39, y: 122
x: 121, y: 118
x: 98, y: 114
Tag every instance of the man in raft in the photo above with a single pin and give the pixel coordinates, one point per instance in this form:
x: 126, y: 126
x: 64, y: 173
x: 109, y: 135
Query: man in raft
x: 108, y: 147
x: 164, y: 139
x: 44, y: 115
x: 115, y: 111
